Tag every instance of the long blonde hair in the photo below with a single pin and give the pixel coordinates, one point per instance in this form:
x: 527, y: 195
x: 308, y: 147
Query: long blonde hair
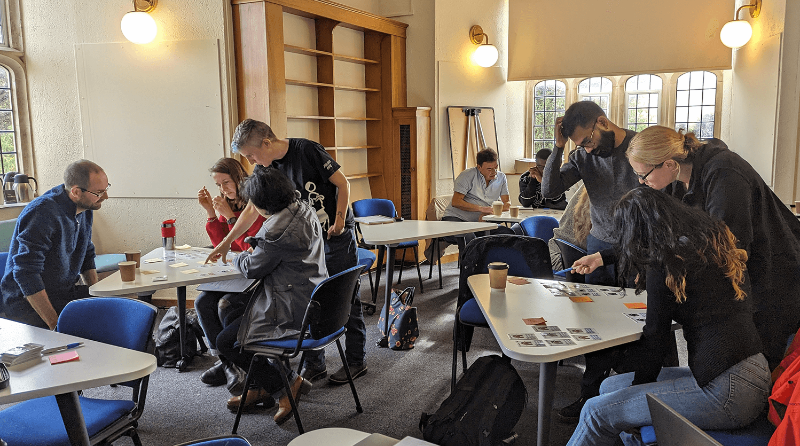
x: 656, y: 144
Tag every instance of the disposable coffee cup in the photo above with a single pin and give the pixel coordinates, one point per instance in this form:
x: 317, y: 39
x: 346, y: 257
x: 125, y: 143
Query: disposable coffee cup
x: 514, y: 211
x: 797, y: 207
x: 498, y: 273
x: 134, y: 256
x: 497, y: 208
x: 127, y: 270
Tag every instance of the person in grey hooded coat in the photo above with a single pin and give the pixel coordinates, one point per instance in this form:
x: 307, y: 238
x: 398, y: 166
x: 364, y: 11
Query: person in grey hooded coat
x: 289, y: 256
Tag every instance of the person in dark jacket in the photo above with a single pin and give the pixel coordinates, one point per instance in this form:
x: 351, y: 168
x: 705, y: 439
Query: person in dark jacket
x: 706, y: 175
x: 695, y: 275
x: 530, y: 186
x: 290, y: 258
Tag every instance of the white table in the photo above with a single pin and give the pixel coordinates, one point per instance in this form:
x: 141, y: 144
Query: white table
x: 143, y: 283
x: 390, y: 234
x: 99, y: 365
x: 524, y: 213
x: 504, y: 311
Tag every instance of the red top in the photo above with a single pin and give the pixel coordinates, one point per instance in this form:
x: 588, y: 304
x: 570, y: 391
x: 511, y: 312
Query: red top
x: 219, y: 228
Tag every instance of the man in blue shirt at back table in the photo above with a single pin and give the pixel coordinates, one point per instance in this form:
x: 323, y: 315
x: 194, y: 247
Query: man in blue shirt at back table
x: 474, y: 191
x: 52, y: 248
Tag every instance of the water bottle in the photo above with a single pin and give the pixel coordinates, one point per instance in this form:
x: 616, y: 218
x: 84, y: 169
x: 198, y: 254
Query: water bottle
x: 168, y: 238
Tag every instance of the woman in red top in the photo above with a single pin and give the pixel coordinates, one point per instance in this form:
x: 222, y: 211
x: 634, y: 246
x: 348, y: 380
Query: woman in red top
x: 214, y: 307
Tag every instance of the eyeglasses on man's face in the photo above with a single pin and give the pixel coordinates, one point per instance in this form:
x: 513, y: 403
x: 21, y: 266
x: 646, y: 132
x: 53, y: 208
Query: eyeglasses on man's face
x: 589, y: 141
x: 644, y: 177
x: 97, y: 194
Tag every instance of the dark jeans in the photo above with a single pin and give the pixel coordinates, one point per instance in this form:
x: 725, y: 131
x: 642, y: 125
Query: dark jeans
x: 22, y: 311
x: 213, y: 308
x: 341, y: 254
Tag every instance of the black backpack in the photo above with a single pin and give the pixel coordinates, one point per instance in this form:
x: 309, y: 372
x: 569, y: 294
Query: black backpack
x: 167, y: 338
x: 482, y: 410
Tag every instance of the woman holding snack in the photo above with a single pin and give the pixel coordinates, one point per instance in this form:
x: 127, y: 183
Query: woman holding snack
x: 212, y: 307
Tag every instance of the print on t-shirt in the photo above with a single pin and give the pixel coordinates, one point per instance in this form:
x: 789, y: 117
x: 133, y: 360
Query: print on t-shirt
x: 313, y: 197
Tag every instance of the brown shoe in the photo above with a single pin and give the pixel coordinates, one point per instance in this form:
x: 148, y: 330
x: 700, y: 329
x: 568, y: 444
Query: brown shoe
x: 299, y: 387
x: 254, y: 396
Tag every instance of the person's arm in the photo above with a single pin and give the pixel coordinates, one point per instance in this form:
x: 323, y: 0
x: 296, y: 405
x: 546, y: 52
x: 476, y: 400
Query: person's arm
x: 246, y: 219
x: 506, y: 202
x: 728, y: 198
x: 458, y: 202
x: 556, y: 178
x: 90, y: 276
x: 41, y: 303
x: 204, y: 198
x: 342, y: 201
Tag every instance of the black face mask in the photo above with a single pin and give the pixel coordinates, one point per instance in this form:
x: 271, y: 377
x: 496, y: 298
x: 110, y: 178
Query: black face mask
x: 606, y: 145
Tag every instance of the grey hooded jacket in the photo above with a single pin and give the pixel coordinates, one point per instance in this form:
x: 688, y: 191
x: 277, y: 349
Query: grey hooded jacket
x: 290, y: 257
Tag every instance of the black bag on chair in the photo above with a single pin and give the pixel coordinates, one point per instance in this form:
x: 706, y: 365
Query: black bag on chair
x: 403, y: 324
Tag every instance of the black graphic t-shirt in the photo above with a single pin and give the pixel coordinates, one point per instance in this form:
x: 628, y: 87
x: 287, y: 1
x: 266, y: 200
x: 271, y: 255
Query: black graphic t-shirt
x: 310, y: 167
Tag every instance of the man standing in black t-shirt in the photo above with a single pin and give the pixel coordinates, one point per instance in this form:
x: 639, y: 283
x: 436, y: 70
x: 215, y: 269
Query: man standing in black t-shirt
x: 321, y: 183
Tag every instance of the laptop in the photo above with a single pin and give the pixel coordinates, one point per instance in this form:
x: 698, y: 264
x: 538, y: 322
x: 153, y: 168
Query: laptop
x: 672, y: 429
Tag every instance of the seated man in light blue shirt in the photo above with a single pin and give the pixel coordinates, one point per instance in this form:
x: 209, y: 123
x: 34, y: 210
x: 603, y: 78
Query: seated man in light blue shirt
x: 474, y: 191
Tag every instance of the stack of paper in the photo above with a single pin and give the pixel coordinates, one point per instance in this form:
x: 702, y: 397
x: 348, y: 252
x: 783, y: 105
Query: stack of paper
x: 25, y: 353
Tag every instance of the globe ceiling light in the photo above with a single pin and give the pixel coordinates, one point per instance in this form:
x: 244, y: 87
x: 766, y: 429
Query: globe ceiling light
x: 138, y: 26
x: 737, y: 33
x: 486, y: 54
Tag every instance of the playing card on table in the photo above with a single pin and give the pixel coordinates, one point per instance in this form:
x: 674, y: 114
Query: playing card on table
x: 546, y: 328
x: 531, y: 343
x: 521, y: 336
x: 560, y: 342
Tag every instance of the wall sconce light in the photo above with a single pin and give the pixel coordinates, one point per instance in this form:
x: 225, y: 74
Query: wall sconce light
x: 137, y: 25
x: 736, y: 33
x: 485, y: 55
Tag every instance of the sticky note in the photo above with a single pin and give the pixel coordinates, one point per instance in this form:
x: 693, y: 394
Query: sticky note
x: 190, y: 271
x: 153, y: 260
x: 183, y: 247
x: 178, y: 265
x: 148, y: 271
x: 63, y: 357
x: 534, y: 321
x: 519, y: 280
x: 636, y: 305
x: 581, y: 299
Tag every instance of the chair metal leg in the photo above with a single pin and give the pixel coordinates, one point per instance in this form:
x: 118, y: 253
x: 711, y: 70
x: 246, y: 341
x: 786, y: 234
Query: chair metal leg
x: 288, y: 388
x: 371, y: 287
x: 455, y: 354
x: 248, y: 380
x: 359, y: 409
x: 419, y: 273
x: 433, y: 254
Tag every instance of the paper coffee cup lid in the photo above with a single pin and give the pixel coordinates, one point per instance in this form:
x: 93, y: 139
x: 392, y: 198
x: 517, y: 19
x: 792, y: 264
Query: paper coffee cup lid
x: 498, y: 265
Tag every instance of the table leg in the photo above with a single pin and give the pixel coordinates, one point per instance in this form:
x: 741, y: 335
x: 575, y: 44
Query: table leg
x: 70, y: 407
x: 381, y: 250
x: 184, y: 361
x: 384, y: 342
x: 547, y: 388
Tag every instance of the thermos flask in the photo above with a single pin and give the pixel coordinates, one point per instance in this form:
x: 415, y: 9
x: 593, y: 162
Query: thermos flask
x: 168, y: 235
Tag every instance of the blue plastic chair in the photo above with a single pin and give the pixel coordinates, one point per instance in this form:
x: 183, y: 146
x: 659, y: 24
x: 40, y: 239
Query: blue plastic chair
x: 366, y: 259
x: 118, y: 321
x: 226, y: 440
x: 380, y: 206
x: 525, y: 256
x: 539, y: 226
x: 323, y: 324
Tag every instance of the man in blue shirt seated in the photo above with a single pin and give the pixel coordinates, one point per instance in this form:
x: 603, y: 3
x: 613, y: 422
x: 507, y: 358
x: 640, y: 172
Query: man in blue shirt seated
x: 52, y: 248
x: 474, y: 191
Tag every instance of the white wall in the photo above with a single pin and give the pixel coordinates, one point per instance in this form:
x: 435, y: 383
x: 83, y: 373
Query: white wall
x: 50, y: 35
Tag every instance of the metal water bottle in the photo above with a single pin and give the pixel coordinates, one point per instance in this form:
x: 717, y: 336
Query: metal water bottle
x: 168, y: 237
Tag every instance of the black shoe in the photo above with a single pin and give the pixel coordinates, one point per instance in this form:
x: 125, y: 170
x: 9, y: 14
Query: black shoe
x: 215, y: 376
x: 234, y: 379
x: 312, y: 375
x: 573, y: 411
x: 356, y: 370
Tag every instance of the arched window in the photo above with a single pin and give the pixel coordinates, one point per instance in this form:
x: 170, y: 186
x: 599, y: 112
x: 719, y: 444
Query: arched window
x: 695, y: 103
x: 642, y: 99
x: 597, y: 89
x: 549, y: 100
x: 8, y: 139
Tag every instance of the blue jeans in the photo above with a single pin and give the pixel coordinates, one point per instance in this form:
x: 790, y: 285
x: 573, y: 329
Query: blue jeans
x: 733, y: 399
x: 341, y: 254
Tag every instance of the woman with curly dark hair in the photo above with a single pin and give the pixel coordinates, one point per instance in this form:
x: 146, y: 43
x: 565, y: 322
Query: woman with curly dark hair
x: 693, y: 274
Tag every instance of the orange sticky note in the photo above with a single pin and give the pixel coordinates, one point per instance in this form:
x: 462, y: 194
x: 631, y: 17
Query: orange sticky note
x: 636, y: 305
x: 581, y: 299
x: 63, y: 357
x: 519, y: 280
x: 534, y: 321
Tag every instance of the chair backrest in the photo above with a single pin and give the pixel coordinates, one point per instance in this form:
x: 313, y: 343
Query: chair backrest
x: 331, y: 301
x: 672, y: 429
x: 374, y: 206
x: 7, y: 233
x: 539, y: 226
x: 117, y: 321
x: 569, y: 254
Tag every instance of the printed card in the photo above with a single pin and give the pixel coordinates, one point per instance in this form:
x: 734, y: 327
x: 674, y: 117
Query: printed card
x: 153, y: 260
x: 534, y: 321
x: 160, y: 279
x: 560, y: 342
x: 546, y: 328
x: 555, y: 335
x: 521, y: 336
x: 640, y: 318
x: 587, y: 337
x: 531, y: 343
x: 581, y: 331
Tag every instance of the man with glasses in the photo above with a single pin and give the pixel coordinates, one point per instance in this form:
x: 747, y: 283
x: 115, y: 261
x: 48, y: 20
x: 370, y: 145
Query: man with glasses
x: 530, y: 186
x: 51, y: 248
x: 600, y: 162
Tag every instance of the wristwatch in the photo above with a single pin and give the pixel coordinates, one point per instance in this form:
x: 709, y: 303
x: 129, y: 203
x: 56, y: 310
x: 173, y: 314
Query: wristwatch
x: 232, y: 221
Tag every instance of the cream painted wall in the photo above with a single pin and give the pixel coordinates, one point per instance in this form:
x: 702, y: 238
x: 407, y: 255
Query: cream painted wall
x: 50, y: 35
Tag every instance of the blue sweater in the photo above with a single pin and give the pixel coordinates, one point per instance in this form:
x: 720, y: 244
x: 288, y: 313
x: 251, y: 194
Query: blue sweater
x: 50, y: 248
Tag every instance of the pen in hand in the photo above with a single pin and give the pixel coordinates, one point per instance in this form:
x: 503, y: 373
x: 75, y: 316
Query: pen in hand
x: 50, y: 351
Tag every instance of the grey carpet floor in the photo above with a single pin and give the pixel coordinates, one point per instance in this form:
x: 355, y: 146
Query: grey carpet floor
x: 398, y: 387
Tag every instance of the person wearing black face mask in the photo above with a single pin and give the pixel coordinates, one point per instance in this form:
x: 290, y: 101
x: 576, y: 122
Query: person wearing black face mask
x: 601, y: 163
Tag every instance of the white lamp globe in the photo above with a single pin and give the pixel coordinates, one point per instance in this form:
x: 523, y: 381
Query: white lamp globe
x: 736, y: 33
x: 139, y: 27
x: 485, y: 55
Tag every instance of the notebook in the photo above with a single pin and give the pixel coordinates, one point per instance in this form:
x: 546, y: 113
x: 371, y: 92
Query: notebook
x: 229, y: 286
x: 672, y: 429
